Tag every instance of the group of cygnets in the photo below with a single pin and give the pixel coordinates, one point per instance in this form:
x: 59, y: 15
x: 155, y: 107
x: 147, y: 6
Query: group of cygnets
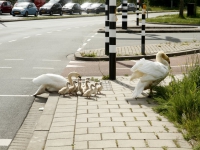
x: 57, y: 83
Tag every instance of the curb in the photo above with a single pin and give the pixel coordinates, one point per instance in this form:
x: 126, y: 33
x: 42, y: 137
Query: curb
x: 185, y: 52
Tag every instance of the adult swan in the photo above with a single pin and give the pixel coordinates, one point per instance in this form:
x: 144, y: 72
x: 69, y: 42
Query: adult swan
x: 150, y: 73
x: 52, y: 82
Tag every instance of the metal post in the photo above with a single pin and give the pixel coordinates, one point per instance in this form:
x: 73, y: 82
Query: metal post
x: 143, y: 30
x: 124, y: 14
x: 112, y: 40
x: 107, y: 28
x: 137, y: 20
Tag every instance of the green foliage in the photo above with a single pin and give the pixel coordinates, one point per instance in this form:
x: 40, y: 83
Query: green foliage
x: 105, y: 77
x: 180, y: 101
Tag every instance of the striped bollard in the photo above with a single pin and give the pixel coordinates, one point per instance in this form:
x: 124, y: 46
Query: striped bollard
x: 124, y: 14
x: 137, y: 19
x: 112, y: 40
x: 143, y: 32
x: 107, y: 28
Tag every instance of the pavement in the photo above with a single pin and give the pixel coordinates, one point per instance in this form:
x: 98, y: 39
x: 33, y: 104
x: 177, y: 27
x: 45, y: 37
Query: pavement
x: 112, y: 120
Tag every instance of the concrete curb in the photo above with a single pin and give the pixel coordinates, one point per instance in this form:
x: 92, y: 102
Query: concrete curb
x: 78, y: 56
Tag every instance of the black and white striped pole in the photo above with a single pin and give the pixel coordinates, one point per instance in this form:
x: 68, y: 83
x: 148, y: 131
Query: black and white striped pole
x: 143, y: 30
x: 112, y: 40
x: 124, y: 14
x: 107, y: 28
x: 137, y: 11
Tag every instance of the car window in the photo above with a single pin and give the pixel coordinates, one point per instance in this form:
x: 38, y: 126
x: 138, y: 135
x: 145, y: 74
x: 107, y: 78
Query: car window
x: 9, y: 3
x: 5, y: 4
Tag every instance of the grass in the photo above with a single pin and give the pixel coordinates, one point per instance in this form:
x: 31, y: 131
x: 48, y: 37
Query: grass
x: 180, y: 101
x: 90, y: 54
x: 175, y: 19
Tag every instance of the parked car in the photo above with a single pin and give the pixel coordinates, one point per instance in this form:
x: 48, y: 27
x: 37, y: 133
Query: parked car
x: 25, y: 9
x: 62, y: 2
x: 72, y: 8
x: 131, y: 7
x: 96, y: 8
x: 38, y: 3
x: 51, y: 8
x: 85, y: 5
x: 5, y: 7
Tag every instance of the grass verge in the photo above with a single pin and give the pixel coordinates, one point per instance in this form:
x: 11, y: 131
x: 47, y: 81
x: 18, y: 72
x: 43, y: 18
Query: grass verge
x: 180, y: 102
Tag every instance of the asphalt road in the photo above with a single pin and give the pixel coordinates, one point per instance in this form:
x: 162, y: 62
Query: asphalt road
x: 31, y: 48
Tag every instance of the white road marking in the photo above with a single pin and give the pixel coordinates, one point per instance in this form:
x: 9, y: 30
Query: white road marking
x: 79, y: 49
x: 75, y: 66
x: 77, y: 27
x: 42, y: 68
x: 92, y: 36
x: 5, y: 67
x: 13, y: 59
x: 76, y: 62
x: 49, y: 32
x: 12, y: 41
x: 58, y: 30
x: 14, y: 96
x: 84, y: 44
x: 5, y: 142
x: 88, y: 40
x: 24, y: 78
x: 50, y: 60
x: 38, y: 34
x: 26, y: 37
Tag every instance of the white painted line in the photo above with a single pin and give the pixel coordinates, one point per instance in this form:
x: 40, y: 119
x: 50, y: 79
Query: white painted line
x: 49, y: 32
x: 92, y: 36
x: 79, y: 49
x: 42, y: 68
x: 26, y: 37
x: 58, y: 30
x: 5, y: 67
x: 122, y: 68
x: 50, y: 60
x: 5, y: 142
x: 38, y: 34
x: 88, y: 40
x: 76, y: 62
x: 24, y: 78
x: 77, y: 27
x: 13, y: 59
x: 14, y: 96
x: 84, y: 44
x: 75, y: 66
x: 68, y: 28
x: 12, y: 41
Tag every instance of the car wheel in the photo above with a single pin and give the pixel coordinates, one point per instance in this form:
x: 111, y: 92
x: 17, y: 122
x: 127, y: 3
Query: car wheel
x: 71, y: 13
x: 0, y: 12
x: 87, y: 12
x: 26, y: 14
x: 80, y: 12
x: 97, y: 11
x: 40, y: 14
x: 13, y: 15
x: 51, y: 13
x: 36, y: 14
x: 61, y: 13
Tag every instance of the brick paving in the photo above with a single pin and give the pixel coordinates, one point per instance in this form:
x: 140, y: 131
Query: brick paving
x: 110, y: 121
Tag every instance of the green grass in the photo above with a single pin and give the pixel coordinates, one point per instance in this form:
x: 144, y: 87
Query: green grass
x: 180, y: 101
x: 175, y: 19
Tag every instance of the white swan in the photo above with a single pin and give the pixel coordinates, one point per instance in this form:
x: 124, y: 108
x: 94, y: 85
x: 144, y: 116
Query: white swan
x: 52, y: 82
x: 86, y: 87
x: 150, y: 73
x: 72, y: 89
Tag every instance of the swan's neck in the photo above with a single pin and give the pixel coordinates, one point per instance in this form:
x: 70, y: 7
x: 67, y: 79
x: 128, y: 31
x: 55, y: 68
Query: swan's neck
x: 161, y: 60
x: 70, y: 78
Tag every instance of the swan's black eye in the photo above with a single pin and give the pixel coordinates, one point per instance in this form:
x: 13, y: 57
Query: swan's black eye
x: 79, y: 77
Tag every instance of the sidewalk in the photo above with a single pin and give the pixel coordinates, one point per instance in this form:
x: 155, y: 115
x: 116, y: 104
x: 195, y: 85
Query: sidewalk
x: 110, y: 121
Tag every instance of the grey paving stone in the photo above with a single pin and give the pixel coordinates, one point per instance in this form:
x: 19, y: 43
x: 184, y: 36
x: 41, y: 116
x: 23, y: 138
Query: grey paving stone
x: 99, y: 119
x: 60, y: 135
x: 140, y: 114
x: 115, y: 136
x: 87, y: 107
x: 142, y: 136
x: 44, y: 123
x: 88, y: 124
x: 63, y: 124
x: 153, y: 129
x: 91, y: 111
x: 87, y: 137
x: 123, y: 119
x: 170, y: 136
x: 50, y: 106
x: 97, y: 103
x: 127, y: 110
x: 138, y: 123
x: 59, y: 115
x: 78, y: 120
x: 73, y: 110
x: 118, y: 148
x: 126, y: 129
x: 131, y: 143
x: 112, y: 124
x: 62, y: 129
x: 101, y: 130
x: 59, y: 148
x: 161, y: 143
x: 110, y: 115
x: 108, y: 106
x: 102, y: 144
x: 59, y: 142
x: 64, y: 119
x: 80, y: 145
x: 82, y: 111
x: 87, y: 116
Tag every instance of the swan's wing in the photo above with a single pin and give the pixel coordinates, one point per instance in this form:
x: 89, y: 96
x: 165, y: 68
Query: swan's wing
x: 149, y: 70
x: 50, y: 79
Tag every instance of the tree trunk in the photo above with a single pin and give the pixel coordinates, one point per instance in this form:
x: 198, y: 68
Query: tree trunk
x: 181, y: 8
